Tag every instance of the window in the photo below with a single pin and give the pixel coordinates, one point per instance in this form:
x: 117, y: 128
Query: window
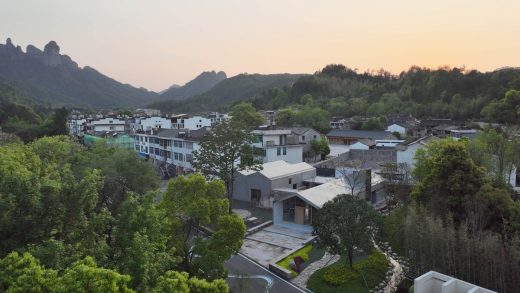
x: 315, y: 136
x: 177, y: 143
x: 178, y: 156
x: 278, y: 151
x: 295, y: 186
x: 157, y: 151
x: 303, y: 137
x: 111, y: 127
x: 290, y: 180
x: 188, y: 145
x: 110, y: 121
x: 137, y: 148
x: 151, y: 150
x: 284, y: 151
x: 189, y: 158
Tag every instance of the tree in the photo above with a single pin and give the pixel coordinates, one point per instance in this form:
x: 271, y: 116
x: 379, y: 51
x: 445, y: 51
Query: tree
x: 346, y: 223
x: 193, y: 206
x: 245, y: 114
x: 220, y: 153
x: 58, y: 124
x: 320, y: 147
x: 449, y: 179
x: 173, y: 281
x: 285, y: 117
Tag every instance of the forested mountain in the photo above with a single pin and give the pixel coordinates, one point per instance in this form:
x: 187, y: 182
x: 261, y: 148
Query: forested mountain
x: 223, y: 94
x: 200, y: 84
x: 444, y: 92
x: 56, y: 79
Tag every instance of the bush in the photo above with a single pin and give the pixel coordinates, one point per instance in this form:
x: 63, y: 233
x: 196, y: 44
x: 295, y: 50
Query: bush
x: 336, y: 276
x: 286, y: 262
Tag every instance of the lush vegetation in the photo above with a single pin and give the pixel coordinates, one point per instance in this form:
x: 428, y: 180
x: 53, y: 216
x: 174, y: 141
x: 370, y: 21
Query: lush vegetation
x: 74, y: 218
x: 463, y: 220
x: 364, y: 275
x: 444, y: 92
x: 288, y: 260
x: 26, y: 118
x: 344, y: 224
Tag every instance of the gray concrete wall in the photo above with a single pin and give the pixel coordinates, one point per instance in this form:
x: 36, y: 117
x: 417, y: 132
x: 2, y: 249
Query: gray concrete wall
x: 388, y: 156
x: 244, y: 184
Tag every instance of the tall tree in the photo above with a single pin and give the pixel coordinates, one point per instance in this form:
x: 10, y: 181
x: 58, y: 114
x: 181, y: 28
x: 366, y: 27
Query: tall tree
x: 245, y: 114
x: 220, y: 153
x: 194, y: 205
x: 345, y: 223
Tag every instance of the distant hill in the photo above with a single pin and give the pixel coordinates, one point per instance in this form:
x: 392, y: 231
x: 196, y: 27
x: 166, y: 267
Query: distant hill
x: 201, y: 84
x: 56, y: 79
x: 224, y: 93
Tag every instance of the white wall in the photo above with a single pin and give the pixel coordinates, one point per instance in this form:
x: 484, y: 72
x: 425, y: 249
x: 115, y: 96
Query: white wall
x: 196, y: 122
x: 108, y: 124
x: 155, y: 122
x: 397, y: 128
x: 359, y: 146
x: 407, y: 156
x: 294, y: 154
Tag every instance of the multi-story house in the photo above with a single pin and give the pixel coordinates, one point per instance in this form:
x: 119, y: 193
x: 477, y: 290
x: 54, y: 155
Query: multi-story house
x: 104, y: 125
x: 274, y: 144
x: 183, y: 121
x: 170, y: 149
x: 77, y: 126
x: 215, y: 117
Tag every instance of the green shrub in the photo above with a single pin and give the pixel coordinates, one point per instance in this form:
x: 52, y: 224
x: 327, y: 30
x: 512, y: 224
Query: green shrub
x: 303, y: 253
x: 336, y: 276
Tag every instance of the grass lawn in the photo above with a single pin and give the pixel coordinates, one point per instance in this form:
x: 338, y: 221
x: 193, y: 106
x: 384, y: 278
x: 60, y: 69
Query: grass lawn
x: 373, y: 268
x: 309, y: 253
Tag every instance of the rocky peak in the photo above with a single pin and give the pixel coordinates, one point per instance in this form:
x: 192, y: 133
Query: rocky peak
x: 52, y: 48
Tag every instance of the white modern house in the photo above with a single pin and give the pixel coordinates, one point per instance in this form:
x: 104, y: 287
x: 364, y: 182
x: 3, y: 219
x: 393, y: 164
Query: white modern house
x: 156, y: 122
x: 104, y: 125
x: 434, y: 282
x: 257, y: 187
x: 276, y: 144
x: 183, y: 121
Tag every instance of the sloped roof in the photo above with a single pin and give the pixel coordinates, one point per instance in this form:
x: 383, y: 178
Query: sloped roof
x: 317, y: 196
x: 300, y: 130
x: 278, y: 169
x: 373, y: 134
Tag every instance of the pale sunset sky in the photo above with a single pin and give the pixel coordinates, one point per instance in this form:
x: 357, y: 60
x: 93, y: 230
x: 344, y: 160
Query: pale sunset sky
x: 156, y: 43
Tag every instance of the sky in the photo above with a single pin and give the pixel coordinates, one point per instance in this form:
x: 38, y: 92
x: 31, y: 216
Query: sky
x: 157, y: 43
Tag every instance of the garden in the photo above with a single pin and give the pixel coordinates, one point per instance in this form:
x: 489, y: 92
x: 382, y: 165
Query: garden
x: 299, y: 260
x: 367, y: 272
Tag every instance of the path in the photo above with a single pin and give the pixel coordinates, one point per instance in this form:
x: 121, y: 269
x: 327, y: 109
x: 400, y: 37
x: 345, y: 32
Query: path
x: 303, y: 277
x: 397, y: 273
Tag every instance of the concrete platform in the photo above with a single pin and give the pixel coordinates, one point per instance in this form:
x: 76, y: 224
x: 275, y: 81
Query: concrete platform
x: 272, y: 242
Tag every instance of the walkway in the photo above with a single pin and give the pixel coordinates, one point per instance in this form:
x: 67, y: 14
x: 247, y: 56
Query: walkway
x: 303, y: 277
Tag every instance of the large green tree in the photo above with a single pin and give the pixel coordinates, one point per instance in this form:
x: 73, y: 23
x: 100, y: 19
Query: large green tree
x: 245, y: 114
x: 196, y: 207
x: 346, y: 223
x: 220, y: 152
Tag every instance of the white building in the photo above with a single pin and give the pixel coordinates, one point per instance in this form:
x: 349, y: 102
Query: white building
x: 170, y: 149
x: 434, y: 282
x: 305, y: 136
x: 257, y: 187
x: 156, y: 122
x: 406, y: 151
x: 104, y: 125
x: 215, y: 117
x: 77, y: 126
x: 298, y: 206
x: 397, y: 128
x: 278, y: 144
x: 183, y: 121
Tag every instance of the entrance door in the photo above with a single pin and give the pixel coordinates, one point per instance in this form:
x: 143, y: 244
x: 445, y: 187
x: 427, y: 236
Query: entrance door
x: 299, y: 215
x: 256, y: 194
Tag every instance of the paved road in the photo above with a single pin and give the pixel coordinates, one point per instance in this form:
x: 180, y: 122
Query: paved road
x: 255, y: 278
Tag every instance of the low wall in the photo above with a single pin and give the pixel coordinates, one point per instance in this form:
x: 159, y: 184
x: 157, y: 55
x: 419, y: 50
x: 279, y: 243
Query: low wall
x: 282, y: 272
